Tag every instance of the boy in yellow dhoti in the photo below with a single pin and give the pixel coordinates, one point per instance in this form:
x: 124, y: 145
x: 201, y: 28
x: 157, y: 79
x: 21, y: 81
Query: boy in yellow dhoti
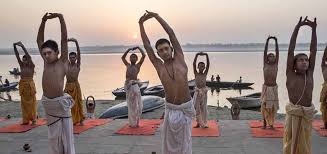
x: 57, y: 104
x: 269, y: 94
x: 172, y: 71
x: 323, y: 94
x: 132, y: 89
x: 72, y: 85
x: 27, y: 88
x: 200, y: 94
x: 299, y: 83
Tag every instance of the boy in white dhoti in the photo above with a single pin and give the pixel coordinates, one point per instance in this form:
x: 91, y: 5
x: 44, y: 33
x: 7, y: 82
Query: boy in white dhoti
x: 200, y: 95
x: 57, y: 105
x: 172, y: 71
x: 132, y: 89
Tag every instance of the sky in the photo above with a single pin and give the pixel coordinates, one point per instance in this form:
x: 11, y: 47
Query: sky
x: 115, y: 22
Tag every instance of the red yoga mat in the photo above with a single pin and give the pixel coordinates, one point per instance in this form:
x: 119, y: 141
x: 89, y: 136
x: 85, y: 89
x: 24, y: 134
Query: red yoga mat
x: 212, y: 131
x: 18, y: 128
x: 259, y: 123
x: 147, y: 127
x: 267, y: 133
x: 90, y: 123
x: 317, y: 124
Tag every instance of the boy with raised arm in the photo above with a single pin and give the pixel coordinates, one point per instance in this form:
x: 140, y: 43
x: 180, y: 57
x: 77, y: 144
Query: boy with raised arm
x: 72, y: 85
x: 132, y: 89
x: 300, y: 110
x: 200, y: 94
x: 172, y: 71
x: 27, y: 88
x: 56, y: 103
x: 269, y: 94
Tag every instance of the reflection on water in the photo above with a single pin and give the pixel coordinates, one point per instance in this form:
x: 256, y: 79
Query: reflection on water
x: 102, y: 73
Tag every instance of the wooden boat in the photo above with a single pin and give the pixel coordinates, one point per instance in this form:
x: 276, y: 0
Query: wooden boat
x: 120, y: 92
x: 121, y: 110
x: 160, y: 91
x: 225, y: 84
x: 247, y: 101
x: 11, y: 86
x: 155, y: 91
x: 191, y: 84
x: 14, y: 72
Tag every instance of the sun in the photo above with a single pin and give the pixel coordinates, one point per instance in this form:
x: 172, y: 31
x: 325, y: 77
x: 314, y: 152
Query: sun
x: 134, y: 36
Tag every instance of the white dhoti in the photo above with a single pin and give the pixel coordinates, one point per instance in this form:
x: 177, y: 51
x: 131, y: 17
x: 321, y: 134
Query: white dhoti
x: 177, y: 128
x: 298, y: 125
x: 269, y: 103
x: 60, y: 124
x: 134, y: 102
x: 200, y: 105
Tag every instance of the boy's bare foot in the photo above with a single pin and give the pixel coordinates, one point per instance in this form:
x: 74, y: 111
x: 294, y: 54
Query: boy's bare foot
x: 197, y: 126
x: 272, y: 128
x: 264, y: 126
x: 81, y: 123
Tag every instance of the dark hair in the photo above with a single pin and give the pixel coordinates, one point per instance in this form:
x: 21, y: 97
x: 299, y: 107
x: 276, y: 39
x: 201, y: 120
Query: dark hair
x: 72, y: 53
x: 50, y: 44
x: 201, y: 63
x: 271, y: 54
x: 133, y: 54
x: 161, y: 41
x: 297, y: 56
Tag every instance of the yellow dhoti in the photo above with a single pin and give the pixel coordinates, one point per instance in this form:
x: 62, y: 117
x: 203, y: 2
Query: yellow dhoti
x: 269, y: 103
x: 323, y: 101
x: 298, y: 125
x: 74, y: 90
x: 27, y: 93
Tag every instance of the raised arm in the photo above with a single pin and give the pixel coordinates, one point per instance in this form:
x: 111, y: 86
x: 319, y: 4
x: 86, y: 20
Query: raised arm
x: 146, y: 42
x: 64, y: 41
x: 208, y: 63
x: 178, y: 52
x: 194, y: 63
x: 139, y: 64
x: 40, y: 34
x: 265, y: 51
x: 313, y: 45
x: 123, y: 58
x: 291, y: 48
x: 323, y: 61
x: 277, y: 50
x: 17, y: 53
x: 77, y: 49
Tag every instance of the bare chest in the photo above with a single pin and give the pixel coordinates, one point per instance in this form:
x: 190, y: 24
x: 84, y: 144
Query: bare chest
x: 300, y: 88
x: 54, y: 71
x: 173, y: 74
x: 270, y: 70
x: 73, y: 69
x: 27, y: 71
